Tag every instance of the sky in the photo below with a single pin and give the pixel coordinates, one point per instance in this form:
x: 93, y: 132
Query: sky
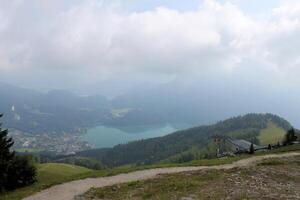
x: 109, y: 47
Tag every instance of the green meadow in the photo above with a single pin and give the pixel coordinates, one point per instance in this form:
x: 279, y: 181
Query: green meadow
x: 271, y: 135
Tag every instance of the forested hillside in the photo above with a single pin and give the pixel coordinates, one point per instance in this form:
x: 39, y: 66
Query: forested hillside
x: 181, y: 143
x: 57, y: 111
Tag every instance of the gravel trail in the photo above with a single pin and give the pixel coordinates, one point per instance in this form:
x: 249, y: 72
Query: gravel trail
x: 67, y: 191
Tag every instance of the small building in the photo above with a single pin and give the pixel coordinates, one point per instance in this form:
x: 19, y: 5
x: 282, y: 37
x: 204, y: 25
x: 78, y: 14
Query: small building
x: 243, y: 146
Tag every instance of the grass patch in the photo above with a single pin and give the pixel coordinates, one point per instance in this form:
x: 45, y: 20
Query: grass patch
x: 271, y: 135
x: 51, y: 172
x: 271, y: 163
x: 289, y: 148
x: 27, y: 150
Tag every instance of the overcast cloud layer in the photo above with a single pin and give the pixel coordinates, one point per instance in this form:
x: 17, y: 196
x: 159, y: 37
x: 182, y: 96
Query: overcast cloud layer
x: 71, y: 44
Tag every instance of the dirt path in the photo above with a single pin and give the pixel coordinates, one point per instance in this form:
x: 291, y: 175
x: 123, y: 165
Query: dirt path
x: 68, y: 191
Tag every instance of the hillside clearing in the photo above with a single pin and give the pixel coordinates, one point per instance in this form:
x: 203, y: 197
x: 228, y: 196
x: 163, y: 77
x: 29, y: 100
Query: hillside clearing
x: 271, y: 135
x: 56, y: 170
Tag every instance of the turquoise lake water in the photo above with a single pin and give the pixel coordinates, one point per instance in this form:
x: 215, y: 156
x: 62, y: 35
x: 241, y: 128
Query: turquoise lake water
x: 102, y: 136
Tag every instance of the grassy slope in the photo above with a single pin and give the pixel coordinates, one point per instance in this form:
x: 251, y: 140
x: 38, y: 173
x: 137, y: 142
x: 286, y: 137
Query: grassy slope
x: 271, y: 135
x: 52, y: 174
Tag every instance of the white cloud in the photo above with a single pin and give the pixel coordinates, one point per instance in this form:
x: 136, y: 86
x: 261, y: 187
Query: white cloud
x: 103, y: 38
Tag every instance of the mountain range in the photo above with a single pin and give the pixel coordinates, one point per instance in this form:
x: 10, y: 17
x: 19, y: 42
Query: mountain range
x: 61, y: 111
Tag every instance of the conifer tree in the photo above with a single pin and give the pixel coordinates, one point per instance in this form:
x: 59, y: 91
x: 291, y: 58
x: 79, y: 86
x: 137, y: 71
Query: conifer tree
x: 5, y: 155
x: 269, y: 147
x: 290, y: 136
x: 251, y: 150
x: 15, y: 171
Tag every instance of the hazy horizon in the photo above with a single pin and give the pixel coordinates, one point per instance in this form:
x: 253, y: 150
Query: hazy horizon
x: 242, y: 53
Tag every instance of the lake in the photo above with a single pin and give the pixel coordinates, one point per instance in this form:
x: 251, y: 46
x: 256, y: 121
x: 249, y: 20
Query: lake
x: 102, y: 136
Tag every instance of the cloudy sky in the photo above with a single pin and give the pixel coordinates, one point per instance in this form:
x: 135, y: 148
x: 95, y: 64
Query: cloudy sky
x: 114, y: 45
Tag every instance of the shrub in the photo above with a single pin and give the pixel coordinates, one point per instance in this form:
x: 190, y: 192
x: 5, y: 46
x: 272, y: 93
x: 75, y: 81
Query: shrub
x: 20, y: 173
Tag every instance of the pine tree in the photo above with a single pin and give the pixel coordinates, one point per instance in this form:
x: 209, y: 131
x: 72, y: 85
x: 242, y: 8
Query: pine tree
x: 293, y: 136
x: 6, y: 156
x: 290, y: 136
x: 251, y: 150
x: 278, y: 144
x: 15, y: 171
x: 269, y: 147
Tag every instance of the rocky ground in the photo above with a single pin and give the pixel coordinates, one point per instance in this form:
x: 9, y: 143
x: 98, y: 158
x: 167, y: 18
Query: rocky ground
x: 275, y: 178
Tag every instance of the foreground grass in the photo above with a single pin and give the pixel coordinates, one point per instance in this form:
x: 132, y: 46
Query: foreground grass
x: 165, y: 187
x: 272, y: 179
x: 52, y: 173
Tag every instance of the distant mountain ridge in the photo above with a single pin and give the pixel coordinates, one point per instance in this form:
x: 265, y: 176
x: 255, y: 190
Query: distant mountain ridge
x: 36, y: 112
x: 60, y: 111
x: 57, y: 111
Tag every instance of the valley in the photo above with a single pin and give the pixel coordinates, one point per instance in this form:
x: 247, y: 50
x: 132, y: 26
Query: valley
x: 183, y: 151
x: 95, y: 137
x: 103, y: 146
x: 63, y: 123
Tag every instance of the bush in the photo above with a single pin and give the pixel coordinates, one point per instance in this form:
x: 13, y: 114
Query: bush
x: 20, y: 173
